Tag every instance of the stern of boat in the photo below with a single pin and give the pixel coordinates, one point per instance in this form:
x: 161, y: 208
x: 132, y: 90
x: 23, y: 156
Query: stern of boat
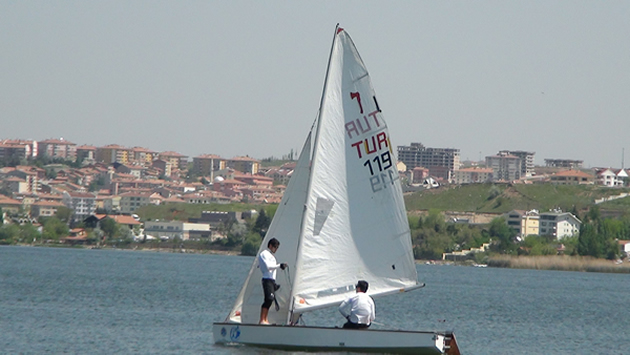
x: 450, y: 344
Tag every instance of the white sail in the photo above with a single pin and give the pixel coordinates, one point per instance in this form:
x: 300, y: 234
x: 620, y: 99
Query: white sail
x: 285, y: 227
x: 342, y: 219
x: 355, y: 224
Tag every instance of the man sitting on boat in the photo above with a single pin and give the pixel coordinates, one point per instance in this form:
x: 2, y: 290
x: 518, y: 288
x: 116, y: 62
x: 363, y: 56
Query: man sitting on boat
x: 268, y: 265
x: 358, y: 309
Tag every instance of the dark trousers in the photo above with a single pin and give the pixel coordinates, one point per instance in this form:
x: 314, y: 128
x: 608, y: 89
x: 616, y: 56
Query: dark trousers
x: 269, y: 288
x: 350, y: 325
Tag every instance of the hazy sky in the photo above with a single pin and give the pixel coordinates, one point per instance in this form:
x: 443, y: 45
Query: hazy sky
x: 245, y: 77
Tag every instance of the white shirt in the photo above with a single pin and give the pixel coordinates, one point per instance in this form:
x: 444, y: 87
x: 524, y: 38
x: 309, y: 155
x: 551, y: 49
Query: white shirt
x: 267, y: 264
x: 360, y: 308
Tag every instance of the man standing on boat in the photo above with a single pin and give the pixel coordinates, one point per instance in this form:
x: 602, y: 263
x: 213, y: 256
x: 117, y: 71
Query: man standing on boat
x: 358, y: 309
x: 268, y: 265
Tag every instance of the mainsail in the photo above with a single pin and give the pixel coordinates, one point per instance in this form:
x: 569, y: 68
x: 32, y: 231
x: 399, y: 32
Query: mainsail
x: 342, y: 217
x: 355, y: 225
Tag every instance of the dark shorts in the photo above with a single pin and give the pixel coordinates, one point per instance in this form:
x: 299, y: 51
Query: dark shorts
x: 269, y: 288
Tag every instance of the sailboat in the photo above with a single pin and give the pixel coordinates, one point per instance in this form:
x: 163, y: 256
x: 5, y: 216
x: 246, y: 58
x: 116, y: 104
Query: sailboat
x: 342, y: 218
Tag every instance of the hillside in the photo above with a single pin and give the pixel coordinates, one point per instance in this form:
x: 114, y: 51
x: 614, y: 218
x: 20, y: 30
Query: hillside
x: 478, y: 198
x: 185, y: 211
x: 501, y: 198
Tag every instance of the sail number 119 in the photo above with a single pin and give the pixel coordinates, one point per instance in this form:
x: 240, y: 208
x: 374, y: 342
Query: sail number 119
x: 380, y: 171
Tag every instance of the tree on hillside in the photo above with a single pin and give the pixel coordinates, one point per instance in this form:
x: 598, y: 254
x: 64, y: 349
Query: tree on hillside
x: 500, y: 232
x: 8, y: 233
x: 54, y: 229
x: 262, y: 223
x: 252, y: 244
x: 64, y: 214
x: 109, y: 227
x: 28, y: 233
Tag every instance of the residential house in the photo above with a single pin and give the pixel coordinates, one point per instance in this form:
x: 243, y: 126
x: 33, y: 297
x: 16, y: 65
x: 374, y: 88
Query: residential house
x: 572, y: 177
x: 9, y: 205
x: 419, y: 175
x: 611, y: 177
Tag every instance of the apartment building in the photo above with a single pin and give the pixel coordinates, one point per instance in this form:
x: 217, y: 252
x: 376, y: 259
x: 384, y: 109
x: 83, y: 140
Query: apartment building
x: 28, y: 176
x: 83, y: 204
x: 527, y: 161
x: 58, y: 148
x: 142, y: 155
x: 564, y: 163
x: 45, y: 208
x: 244, y: 164
x: 559, y: 224
x: 524, y: 223
x: 16, y: 150
x: 112, y: 153
x: 206, y: 164
x: 86, y: 153
x: 505, y: 167
x: 131, y: 201
x: 177, y: 161
x: 441, y: 162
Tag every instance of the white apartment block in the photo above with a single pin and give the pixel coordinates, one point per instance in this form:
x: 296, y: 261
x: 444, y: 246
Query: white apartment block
x: 559, y: 224
x: 177, y: 229
x: 83, y: 204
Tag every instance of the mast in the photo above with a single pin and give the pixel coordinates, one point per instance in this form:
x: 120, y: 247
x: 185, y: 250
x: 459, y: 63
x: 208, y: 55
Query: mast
x: 314, y: 153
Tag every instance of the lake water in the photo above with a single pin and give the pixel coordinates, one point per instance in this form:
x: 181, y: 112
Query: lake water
x: 106, y: 301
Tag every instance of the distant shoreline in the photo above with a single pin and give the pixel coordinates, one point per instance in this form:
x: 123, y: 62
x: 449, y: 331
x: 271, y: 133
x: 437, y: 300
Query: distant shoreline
x: 551, y: 262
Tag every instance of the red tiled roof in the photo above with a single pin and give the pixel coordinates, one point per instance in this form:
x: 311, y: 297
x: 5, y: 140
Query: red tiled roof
x: 122, y: 219
x: 574, y: 173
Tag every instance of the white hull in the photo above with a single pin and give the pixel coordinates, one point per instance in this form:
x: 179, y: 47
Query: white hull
x: 302, y: 338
